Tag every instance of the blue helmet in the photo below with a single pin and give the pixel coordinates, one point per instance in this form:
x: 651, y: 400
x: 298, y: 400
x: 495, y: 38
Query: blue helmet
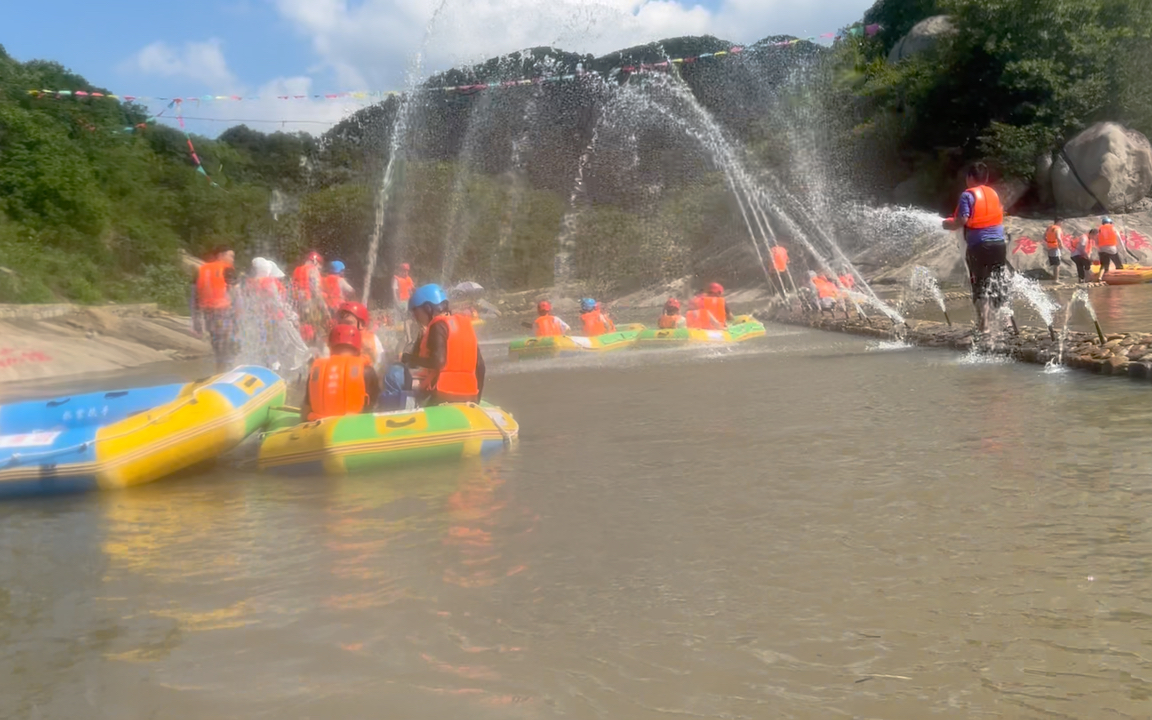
x: 336, y: 266
x: 1105, y: 220
x: 587, y: 305
x: 427, y: 295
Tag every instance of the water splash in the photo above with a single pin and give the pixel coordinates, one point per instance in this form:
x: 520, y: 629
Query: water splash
x: 925, y: 286
x: 1030, y: 290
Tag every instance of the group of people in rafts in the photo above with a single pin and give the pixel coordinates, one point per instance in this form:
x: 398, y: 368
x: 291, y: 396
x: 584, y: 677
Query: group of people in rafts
x: 707, y: 311
x: 442, y: 365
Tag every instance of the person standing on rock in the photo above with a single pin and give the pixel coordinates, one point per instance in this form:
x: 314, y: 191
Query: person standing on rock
x: 1053, y: 240
x: 981, y: 215
x: 1082, y: 255
x: 1108, y: 241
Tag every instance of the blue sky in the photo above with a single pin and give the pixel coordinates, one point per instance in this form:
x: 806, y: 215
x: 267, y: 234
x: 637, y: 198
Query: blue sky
x: 315, y: 46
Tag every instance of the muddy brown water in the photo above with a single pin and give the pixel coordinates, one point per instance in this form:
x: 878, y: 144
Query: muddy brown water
x: 811, y: 526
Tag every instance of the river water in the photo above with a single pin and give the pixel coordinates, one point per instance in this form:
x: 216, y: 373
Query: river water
x: 812, y: 526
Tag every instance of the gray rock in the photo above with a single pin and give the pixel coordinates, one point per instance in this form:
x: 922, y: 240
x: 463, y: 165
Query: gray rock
x: 1114, y: 161
x: 923, y: 37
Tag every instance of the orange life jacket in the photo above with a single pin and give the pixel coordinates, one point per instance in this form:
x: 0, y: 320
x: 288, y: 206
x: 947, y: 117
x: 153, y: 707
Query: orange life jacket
x: 986, y: 211
x: 780, y: 258
x: 333, y: 290
x: 404, y: 287
x: 594, y: 323
x: 336, y: 386
x: 669, y: 322
x: 1108, y: 238
x: 548, y: 326
x: 211, y: 287
x: 715, y: 305
x: 302, y: 279
x: 702, y: 320
x: 1052, y: 238
x: 457, y: 379
x: 824, y: 288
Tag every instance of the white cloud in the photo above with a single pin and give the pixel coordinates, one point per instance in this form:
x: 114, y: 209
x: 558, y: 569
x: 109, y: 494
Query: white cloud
x: 370, y: 43
x: 201, y: 62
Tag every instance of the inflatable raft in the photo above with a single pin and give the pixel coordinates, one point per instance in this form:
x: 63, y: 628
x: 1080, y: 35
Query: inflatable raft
x: 123, y: 438
x: 567, y: 345
x: 743, y: 328
x: 354, y: 443
x: 1135, y: 275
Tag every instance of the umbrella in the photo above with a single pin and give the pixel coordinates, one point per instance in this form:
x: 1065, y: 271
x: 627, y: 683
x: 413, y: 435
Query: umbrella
x: 468, y: 287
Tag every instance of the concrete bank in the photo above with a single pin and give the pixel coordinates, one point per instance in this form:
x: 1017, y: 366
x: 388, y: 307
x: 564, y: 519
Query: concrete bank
x: 1121, y: 355
x: 50, y: 341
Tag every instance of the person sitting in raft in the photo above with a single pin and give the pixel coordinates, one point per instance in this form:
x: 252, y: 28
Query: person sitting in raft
x: 344, y: 383
x: 1108, y: 243
x: 547, y: 324
x: 446, y: 348
x: 713, y: 301
x: 671, y: 318
x: 594, y: 320
x: 698, y: 318
x: 356, y: 315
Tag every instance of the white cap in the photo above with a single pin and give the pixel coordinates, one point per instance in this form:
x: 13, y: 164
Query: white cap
x: 260, y: 267
x: 274, y: 270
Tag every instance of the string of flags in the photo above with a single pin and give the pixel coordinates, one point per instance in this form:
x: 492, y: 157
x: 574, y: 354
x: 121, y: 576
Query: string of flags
x: 374, y: 95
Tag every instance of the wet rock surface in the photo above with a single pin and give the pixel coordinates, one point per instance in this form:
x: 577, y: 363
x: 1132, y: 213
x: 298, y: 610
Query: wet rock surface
x: 1121, y: 354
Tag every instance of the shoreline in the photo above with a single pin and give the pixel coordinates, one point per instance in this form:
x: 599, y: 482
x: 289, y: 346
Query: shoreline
x: 1120, y: 355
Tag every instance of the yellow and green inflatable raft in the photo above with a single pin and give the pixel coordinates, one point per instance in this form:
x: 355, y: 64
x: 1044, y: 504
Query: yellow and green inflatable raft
x: 354, y: 443
x: 568, y: 346
x: 743, y: 327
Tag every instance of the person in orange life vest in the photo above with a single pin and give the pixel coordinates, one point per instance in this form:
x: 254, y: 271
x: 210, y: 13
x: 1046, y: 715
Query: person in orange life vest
x: 306, y: 279
x: 1108, y: 244
x: 593, y: 320
x: 547, y: 324
x: 356, y: 315
x: 779, y: 255
x: 402, y: 287
x: 825, y: 291
x: 846, y: 279
x: 334, y: 286
x: 210, y: 303
x: 700, y: 318
x: 981, y: 215
x: 265, y: 281
x: 447, y: 349
x: 671, y: 318
x: 713, y: 301
x: 1053, y: 240
x: 344, y: 383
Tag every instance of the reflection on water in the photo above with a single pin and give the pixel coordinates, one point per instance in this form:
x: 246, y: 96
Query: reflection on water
x: 803, y: 527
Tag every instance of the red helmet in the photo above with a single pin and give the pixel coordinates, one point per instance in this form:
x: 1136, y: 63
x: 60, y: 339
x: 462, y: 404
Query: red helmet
x: 344, y: 335
x: 405, y: 266
x: 543, y: 307
x: 716, y: 289
x: 315, y: 257
x: 355, y: 309
x: 672, y: 303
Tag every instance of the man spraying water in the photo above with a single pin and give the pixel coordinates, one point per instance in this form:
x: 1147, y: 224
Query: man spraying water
x: 981, y: 215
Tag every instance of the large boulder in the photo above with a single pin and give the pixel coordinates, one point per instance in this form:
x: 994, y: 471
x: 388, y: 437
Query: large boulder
x: 1112, y: 160
x: 923, y: 37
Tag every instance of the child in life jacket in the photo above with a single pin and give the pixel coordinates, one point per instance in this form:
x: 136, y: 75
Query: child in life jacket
x: 344, y: 383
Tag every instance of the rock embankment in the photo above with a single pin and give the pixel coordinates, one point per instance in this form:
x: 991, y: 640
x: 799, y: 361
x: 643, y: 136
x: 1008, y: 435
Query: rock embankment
x: 1121, y: 354
x: 49, y: 341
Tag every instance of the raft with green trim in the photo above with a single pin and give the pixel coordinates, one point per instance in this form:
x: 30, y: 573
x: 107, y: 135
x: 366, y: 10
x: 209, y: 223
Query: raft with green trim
x: 743, y: 327
x: 356, y: 443
x: 568, y: 346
